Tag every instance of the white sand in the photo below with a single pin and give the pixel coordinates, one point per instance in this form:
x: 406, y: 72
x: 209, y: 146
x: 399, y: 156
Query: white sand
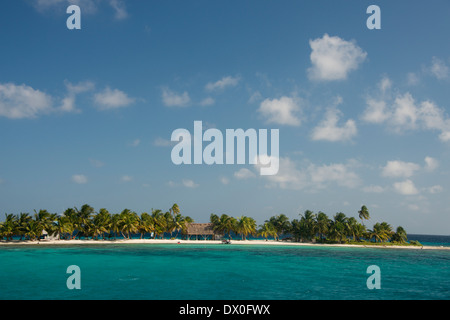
x: 216, y: 242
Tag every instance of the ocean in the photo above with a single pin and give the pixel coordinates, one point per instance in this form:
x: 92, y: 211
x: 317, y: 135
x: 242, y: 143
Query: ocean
x: 221, y: 272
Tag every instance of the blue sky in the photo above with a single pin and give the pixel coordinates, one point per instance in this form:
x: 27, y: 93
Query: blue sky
x: 86, y: 115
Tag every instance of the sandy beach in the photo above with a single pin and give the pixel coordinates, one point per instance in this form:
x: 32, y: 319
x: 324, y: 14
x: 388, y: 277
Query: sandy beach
x: 211, y: 242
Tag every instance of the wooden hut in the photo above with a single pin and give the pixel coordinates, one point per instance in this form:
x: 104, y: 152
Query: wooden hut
x: 202, y: 231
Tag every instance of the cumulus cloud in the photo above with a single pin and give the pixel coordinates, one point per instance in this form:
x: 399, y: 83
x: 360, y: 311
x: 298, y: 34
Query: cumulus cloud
x: 173, y: 99
x: 22, y: 101
x: 189, y: 183
x: 406, y: 187
x: 395, y: 169
x: 402, y: 112
x: 332, y: 58
x: 431, y: 164
x: 312, y: 176
x: 223, y: 83
x: 112, y: 99
x: 435, y: 189
x: 439, y: 69
x: 329, y: 130
x: 282, y: 111
x: 244, y: 174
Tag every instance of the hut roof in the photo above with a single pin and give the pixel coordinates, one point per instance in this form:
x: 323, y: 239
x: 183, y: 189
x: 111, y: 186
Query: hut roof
x: 200, y: 228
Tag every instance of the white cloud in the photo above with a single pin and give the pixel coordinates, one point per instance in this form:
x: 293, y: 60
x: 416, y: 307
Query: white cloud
x: 281, y: 111
x: 119, y: 8
x: 224, y: 180
x: 244, y: 174
x: 431, y: 164
x: 68, y: 103
x: 435, y: 189
x: 223, y: 83
x: 255, y: 97
x: 161, y: 142
x: 112, y: 99
x: 22, y: 101
x: 329, y: 130
x: 337, y: 173
x: 405, y: 112
x: 375, y: 112
x: 406, y: 187
x: 333, y: 58
x: 312, y: 176
x: 184, y: 183
x: 439, y: 69
x: 395, y: 169
x: 402, y: 113
x: 412, y: 79
x: 189, y: 183
x: 173, y: 99
x: 79, y: 178
x: 207, y: 102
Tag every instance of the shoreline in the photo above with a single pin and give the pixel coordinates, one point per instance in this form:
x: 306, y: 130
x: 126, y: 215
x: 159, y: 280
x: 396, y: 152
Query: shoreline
x: 211, y: 242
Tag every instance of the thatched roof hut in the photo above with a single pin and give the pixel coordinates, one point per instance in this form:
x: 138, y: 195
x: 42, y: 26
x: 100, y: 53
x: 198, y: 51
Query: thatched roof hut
x: 204, y: 230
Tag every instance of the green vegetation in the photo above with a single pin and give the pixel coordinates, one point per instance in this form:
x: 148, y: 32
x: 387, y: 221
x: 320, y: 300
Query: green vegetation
x: 313, y: 227
x: 86, y: 223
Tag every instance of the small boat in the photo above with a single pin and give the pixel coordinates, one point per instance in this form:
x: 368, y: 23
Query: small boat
x: 226, y: 242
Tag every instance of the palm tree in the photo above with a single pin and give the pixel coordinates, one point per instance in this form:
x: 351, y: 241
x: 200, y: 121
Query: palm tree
x: 146, y: 224
x: 281, y: 224
x: 116, y: 221
x: 296, y: 230
x: 267, y: 230
x: 9, y: 226
x: 245, y: 226
x: 322, y: 224
x: 65, y: 227
x: 400, y: 235
x: 180, y: 223
x: 83, y: 218
x: 174, y: 209
x: 364, y: 214
x: 381, y: 231
x: 101, y: 223
x: 307, y: 225
x: 224, y: 224
x: 159, y: 222
x: 338, y: 228
x: 71, y: 222
x: 33, y: 230
x: 47, y: 221
x: 22, y: 221
x: 129, y: 223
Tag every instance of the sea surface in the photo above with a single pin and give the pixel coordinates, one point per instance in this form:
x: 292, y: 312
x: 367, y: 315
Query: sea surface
x: 216, y: 272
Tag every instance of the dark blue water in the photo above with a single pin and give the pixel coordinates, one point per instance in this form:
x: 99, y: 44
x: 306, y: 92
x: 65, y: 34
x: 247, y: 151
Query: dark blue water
x: 431, y: 240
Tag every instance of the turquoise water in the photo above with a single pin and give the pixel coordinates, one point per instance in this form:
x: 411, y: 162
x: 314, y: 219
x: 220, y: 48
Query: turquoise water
x: 229, y: 272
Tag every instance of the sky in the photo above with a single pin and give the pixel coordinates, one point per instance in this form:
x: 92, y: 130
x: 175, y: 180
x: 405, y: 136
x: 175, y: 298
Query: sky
x: 86, y: 115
